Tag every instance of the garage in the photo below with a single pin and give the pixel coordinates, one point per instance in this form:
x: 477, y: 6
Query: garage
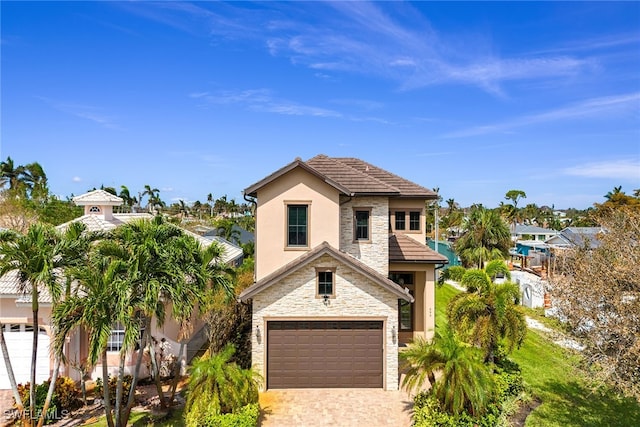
x: 325, y: 354
x: 19, y: 338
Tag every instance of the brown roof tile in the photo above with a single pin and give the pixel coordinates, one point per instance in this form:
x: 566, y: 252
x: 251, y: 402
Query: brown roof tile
x: 406, y: 249
x: 351, y: 176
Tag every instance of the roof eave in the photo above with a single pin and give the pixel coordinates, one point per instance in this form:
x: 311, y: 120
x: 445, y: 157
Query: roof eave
x: 252, y: 190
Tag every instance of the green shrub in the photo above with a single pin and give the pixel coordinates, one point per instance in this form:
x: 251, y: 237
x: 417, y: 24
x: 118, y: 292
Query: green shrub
x: 247, y: 416
x: 64, y: 399
x: 127, y: 381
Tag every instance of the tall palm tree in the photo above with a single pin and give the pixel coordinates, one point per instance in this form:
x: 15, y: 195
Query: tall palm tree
x: 210, y: 202
x: 486, y: 237
x: 162, y: 267
x: 34, y: 180
x: 125, y: 195
x: 487, y: 313
x: 35, y: 258
x: 153, y: 196
x: 205, y: 268
x: 94, y: 307
x: 464, y: 383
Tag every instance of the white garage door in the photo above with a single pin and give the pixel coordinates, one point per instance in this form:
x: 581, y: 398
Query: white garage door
x: 19, y: 338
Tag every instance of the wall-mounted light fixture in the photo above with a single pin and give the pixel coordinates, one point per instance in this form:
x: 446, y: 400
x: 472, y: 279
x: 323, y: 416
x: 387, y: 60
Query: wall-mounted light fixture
x: 325, y: 299
x: 393, y: 334
x: 258, y: 334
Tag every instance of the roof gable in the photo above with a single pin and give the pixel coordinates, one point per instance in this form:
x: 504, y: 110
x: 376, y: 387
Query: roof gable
x: 350, y: 176
x: 320, y: 250
x: 297, y: 163
x: 97, y: 197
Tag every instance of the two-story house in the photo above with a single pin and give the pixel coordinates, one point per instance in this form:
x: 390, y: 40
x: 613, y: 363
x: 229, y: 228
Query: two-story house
x: 343, y: 274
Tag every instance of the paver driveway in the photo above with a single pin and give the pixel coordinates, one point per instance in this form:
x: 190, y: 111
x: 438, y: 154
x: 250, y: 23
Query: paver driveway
x: 335, y: 407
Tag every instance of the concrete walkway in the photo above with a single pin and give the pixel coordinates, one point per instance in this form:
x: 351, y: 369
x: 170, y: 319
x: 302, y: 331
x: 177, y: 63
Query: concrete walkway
x: 335, y: 407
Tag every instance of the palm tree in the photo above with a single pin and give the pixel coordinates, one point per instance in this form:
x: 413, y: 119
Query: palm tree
x: 208, y: 270
x: 95, y: 308
x: 10, y: 173
x: 35, y: 181
x: 464, y: 384
x: 227, y: 229
x: 487, y: 313
x: 210, y: 202
x: 153, y: 196
x: 486, y: 237
x: 162, y: 266
x: 125, y: 195
x: 218, y: 386
x: 35, y: 257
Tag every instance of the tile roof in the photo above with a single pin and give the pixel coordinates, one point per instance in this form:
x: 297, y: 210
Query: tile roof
x: 97, y: 197
x: 406, y: 249
x: 10, y: 286
x: 352, y: 177
x: 374, y: 177
x: 98, y: 223
x: 325, y: 249
x: 231, y: 252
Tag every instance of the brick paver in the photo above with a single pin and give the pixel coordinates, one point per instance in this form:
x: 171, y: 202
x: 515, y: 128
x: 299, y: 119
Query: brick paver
x: 335, y: 407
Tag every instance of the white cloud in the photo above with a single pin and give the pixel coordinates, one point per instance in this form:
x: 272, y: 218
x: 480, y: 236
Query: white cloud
x: 584, y: 109
x: 628, y: 169
x: 76, y: 179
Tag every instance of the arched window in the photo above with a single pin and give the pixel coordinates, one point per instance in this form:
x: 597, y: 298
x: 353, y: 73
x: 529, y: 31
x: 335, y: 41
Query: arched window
x: 94, y: 209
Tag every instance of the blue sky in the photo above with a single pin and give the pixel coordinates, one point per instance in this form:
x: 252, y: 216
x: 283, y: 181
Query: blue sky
x: 474, y: 98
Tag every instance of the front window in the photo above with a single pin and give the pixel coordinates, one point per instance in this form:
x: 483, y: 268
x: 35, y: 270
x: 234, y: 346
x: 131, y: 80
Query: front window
x: 325, y: 282
x: 414, y: 221
x: 297, y: 225
x: 400, y: 220
x: 114, y: 343
x: 362, y: 224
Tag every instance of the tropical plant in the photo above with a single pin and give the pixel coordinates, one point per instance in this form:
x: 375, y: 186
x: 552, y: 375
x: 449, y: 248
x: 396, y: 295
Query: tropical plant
x: 464, y: 383
x: 34, y: 258
x: 485, y: 237
x: 217, y: 385
x: 487, y: 313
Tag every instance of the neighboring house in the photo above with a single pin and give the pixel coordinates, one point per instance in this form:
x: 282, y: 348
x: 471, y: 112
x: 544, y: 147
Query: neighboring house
x: 532, y: 232
x: 343, y: 274
x: 571, y: 237
x: 16, y: 316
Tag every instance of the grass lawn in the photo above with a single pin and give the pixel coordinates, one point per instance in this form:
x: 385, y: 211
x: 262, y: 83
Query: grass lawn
x: 142, y: 419
x: 552, y: 373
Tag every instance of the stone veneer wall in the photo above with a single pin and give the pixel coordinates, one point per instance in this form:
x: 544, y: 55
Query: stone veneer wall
x: 355, y: 298
x: 376, y: 252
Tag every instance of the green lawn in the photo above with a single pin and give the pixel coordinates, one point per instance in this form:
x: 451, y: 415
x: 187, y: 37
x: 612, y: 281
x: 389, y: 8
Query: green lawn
x: 552, y: 373
x: 142, y: 419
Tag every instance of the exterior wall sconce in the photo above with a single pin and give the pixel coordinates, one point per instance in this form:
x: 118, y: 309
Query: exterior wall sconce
x: 325, y: 300
x: 394, y: 337
x: 258, y: 334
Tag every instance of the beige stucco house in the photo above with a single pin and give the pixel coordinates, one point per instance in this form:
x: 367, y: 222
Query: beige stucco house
x: 343, y: 274
x: 17, y: 319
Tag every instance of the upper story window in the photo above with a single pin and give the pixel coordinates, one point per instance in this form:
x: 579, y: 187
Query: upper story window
x: 400, y: 220
x: 362, y: 224
x: 94, y: 209
x: 414, y: 220
x: 325, y: 282
x: 297, y: 225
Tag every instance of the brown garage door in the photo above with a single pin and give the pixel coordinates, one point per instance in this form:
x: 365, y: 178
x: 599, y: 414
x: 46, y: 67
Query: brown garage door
x: 324, y: 354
